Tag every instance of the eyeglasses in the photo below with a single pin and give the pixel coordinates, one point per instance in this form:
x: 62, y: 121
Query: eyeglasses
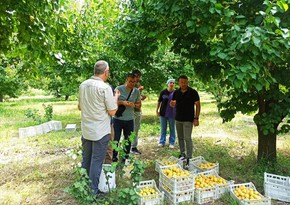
x: 171, y: 82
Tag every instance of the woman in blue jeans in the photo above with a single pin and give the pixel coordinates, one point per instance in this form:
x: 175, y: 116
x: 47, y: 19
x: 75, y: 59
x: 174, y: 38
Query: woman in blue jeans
x: 166, y: 114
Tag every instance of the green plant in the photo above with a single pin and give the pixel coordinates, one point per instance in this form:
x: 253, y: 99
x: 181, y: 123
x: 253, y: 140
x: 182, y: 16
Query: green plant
x: 35, y: 115
x: 80, y: 189
x: 48, y: 109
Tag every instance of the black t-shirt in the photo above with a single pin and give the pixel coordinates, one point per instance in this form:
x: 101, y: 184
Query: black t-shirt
x: 185, y: 104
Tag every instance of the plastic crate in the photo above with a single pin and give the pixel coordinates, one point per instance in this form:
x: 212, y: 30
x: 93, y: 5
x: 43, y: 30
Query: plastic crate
x: 177, y: 183
x: 206, y: 195
x: 178, y: 196
x: 153, y: 199
x: 263, y: 201
x: 193, y: 165
x: 277, y: 187
x: 163, y: 162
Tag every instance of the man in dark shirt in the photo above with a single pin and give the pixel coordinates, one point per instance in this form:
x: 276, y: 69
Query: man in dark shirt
x: 186, y: 100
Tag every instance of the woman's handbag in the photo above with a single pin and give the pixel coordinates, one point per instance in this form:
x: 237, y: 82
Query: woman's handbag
x: 122, y: 108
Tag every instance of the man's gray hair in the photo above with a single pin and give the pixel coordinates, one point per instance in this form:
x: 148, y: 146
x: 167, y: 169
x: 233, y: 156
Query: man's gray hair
x: 100, y: 67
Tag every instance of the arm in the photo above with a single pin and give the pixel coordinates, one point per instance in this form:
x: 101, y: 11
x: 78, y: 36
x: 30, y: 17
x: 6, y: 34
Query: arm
x: 197, y: 112
x: 157, y: 109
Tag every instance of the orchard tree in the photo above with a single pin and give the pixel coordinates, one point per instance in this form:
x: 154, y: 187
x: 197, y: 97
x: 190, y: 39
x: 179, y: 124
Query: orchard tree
x: 12, y: 81
x: 244, y: 45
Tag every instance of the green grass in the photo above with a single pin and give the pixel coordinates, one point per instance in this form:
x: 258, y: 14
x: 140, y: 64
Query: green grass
x: 36, y: 170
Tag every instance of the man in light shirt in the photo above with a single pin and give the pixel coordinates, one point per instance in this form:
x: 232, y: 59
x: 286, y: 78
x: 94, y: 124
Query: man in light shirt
x: 97, y: 104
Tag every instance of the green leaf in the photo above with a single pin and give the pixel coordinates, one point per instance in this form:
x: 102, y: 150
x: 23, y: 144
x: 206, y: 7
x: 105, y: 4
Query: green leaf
x: 190, y: 24
x: 258, y: 86
x: 257, y: 41
x: 237, y: 83
x: 222, y: 55
x: 283, y: 5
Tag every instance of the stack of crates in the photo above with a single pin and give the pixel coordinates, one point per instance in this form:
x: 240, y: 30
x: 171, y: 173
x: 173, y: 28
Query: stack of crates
x: 148, y: 198
x: 211, y: 193
x: 277, y: 187
x: 176, y: 188
x: 194, y: 165
x: 242, y: 199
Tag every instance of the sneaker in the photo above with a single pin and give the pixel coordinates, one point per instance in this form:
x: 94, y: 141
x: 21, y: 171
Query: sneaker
x: 182, y: 157
x: 134, y: 150
x: 160, y: 145
x: 115, y: 159
x: 171, y: 146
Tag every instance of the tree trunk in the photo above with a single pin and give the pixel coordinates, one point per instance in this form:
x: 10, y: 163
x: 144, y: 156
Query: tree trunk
x: 66, y: 98
x: 1, y: 98
x: 267, y: 148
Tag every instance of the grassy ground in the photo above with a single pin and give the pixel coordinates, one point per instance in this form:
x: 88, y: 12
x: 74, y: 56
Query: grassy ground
x: 36, y: 170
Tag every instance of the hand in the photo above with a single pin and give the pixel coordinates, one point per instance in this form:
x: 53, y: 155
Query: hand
x: 172, y: 103
x: 130, y: 104
x: 117, y: 93
x: 141, y: 88
x: 195, y: 122
x: 158, y: 114
x: 143, y: 97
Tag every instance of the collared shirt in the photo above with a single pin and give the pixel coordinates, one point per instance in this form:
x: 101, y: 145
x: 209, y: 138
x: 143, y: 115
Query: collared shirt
x: 185, y: 102
x: 95, y: 99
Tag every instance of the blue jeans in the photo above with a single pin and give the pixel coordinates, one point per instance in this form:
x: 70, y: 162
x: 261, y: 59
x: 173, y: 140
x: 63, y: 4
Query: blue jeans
x: 93, y: 156
x: 127, y: 126
x: 163, y: 123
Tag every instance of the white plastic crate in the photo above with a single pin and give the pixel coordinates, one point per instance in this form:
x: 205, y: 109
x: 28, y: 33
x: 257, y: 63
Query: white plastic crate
x: 27, y: 131
x: 46, y: 127
x: 71, y: 127
x: 178, y: 196
x: 152, y: 199
x: 194, y: 163
x: 209, y: 194
x: 277, y: 187
x: 263, y: 201
x: 55, y: 125
x: 163, y: 162
x: 176, y: 183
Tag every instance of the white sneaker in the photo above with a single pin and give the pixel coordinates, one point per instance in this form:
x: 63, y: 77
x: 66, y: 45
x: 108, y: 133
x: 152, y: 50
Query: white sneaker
x: 160, y: 145
x: 171, y: 146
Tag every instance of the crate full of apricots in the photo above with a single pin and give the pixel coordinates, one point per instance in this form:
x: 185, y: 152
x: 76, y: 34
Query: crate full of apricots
x: 246, y: 194
x: 209, y: 186
x: 177, y: 183
x: 199, y: 164
x: 149, y: 194
x: 165, y: 162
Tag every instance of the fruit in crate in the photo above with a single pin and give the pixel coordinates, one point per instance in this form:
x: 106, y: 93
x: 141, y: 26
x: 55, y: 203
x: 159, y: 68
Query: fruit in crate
x: 175, y: 172
x: 170, y: 163
x: 147, y: 191
x: 207, y: 165
x: 243, y: 192
x: 202, y: 181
